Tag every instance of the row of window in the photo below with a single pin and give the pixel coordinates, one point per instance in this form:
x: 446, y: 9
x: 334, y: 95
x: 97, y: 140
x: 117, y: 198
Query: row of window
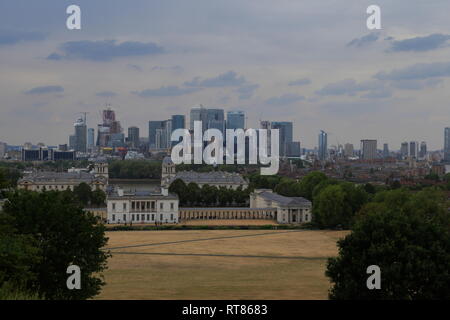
x: 142, y: 217
x: 143, y: 206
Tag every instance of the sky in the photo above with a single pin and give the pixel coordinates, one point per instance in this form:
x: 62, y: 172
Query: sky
x: 311, y: 62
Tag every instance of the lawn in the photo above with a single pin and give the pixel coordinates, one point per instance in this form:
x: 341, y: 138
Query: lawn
x: 219, y: 264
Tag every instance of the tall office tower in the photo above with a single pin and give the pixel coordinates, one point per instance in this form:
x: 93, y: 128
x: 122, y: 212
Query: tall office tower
x: 80, y: 135
x: 133, y: 137
x: 216, y: 120
x: 404, y: 150
x: 153, y: 128
x: 91, y: 138
x: 199, y: 114
x: 348, y: 150
x: 385, y: 150
x: 368, y: 149
x: 266, y: 125
x: 423, y: 150
x: 286, y: 133
x: 413, y: 149
x: 72, y: 142
x: 323, y: 147
x: 3, y: 147
x: 108, y: 127
x: 235, y: 120
x: 178, y: 122
x: 447, y: 144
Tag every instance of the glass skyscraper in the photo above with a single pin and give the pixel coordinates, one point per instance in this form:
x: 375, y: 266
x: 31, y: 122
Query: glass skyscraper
x: 235, y: 120
x: 323, y: 148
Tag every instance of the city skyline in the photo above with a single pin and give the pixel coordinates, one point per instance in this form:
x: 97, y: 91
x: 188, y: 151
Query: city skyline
x: 301, y: 65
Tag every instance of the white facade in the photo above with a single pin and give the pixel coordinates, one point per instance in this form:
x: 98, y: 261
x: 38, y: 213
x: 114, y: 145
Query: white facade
x: 293, y: 210
x: 142, y: 207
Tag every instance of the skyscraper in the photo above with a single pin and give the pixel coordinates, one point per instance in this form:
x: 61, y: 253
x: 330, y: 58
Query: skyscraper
x: 323, y: 147
x: 414, y: 149
x: 133, y: 137
x: 348, y: 150
x: 286, y: 134
x: 91, y: 138
x: 368, y: 149
x: 423, y: 150
x: 385, y: 150
x: 447, y: 144
x: 404, y: 150
x: 235, y: 120
x: 199, y: 114
x: 108, y: 127
x: 153, y: 128
x: 80, y: 135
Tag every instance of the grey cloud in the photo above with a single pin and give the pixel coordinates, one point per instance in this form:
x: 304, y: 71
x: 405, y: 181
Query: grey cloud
x: 365, y: 40
x: 105, y: 50
x: 246, y: 91
x: 176, y: 69
x: 45, y: 90
x: 228, y: 79
x: 285, y: 99
x: 9, y: 37
x: 378, y: 93
x: 346, y: 87
x: 416, y: 84
x: 419, y: 44
x: 168, y: 91
x: 135, y: 67
x: 106, y: 94
x: 417, y: 71
x: 300, y: 82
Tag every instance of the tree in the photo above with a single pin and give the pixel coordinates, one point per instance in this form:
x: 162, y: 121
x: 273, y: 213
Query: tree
x: 331, y: 209
x: 309, y: 182
x: 65, y: 235
x: 179, y: 188
x: 83, y: 193
x: 193, y: 193
x: 98, y: 197
x: 209, y: 195
x: 408, y: 237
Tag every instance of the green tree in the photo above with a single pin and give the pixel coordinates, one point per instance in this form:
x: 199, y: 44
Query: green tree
x: 408, y: 237
x: 194, y: 194
x: 179, y: 188
x: 65, y: 235
x: 98, y: 197
x: 83, y: 193
x: 331, y: 209
x: 309, y: 182
x: 209, y: 195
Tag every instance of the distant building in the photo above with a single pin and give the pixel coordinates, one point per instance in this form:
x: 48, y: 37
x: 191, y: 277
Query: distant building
x: 3, y: 148
x: 90, y: 138
x: 235, y: 120
x: 80, y: 136
x: 413, y: 149
x: 423, y: 150
x: 286, y: 136
x: 293, y: 210
x: 368, y: 149
x: 323, y: 146
x: 199, y: 114
x: 404, y: 150
x: 447, y: 144
x: 385, y: 150
x: 142, y: 207
x: 133, y: 137
x: 214, y: 178
x: 348, y: 150
x: 60, y: 181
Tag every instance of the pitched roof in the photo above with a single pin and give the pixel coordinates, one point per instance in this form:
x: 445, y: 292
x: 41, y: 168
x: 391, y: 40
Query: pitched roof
x: 214, y: 177
x: 286, y: 201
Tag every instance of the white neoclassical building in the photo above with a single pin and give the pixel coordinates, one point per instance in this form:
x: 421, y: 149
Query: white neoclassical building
x: 60, y: 181
x: 294, y: 210
x: 141, y: 207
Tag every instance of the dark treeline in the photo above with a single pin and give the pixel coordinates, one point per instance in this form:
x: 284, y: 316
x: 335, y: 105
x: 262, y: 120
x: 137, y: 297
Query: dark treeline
x: 209, y: 196
x: 135, y: 169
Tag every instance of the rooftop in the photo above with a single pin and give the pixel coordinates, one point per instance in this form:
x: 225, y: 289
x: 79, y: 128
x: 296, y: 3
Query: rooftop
x: 287, y: 201
x: 214, y: 177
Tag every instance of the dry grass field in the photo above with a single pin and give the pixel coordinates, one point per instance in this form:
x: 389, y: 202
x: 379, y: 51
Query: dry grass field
x: 219, y: 264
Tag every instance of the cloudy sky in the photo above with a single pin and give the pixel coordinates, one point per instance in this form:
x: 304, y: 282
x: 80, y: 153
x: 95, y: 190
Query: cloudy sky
x: 307, y: 61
